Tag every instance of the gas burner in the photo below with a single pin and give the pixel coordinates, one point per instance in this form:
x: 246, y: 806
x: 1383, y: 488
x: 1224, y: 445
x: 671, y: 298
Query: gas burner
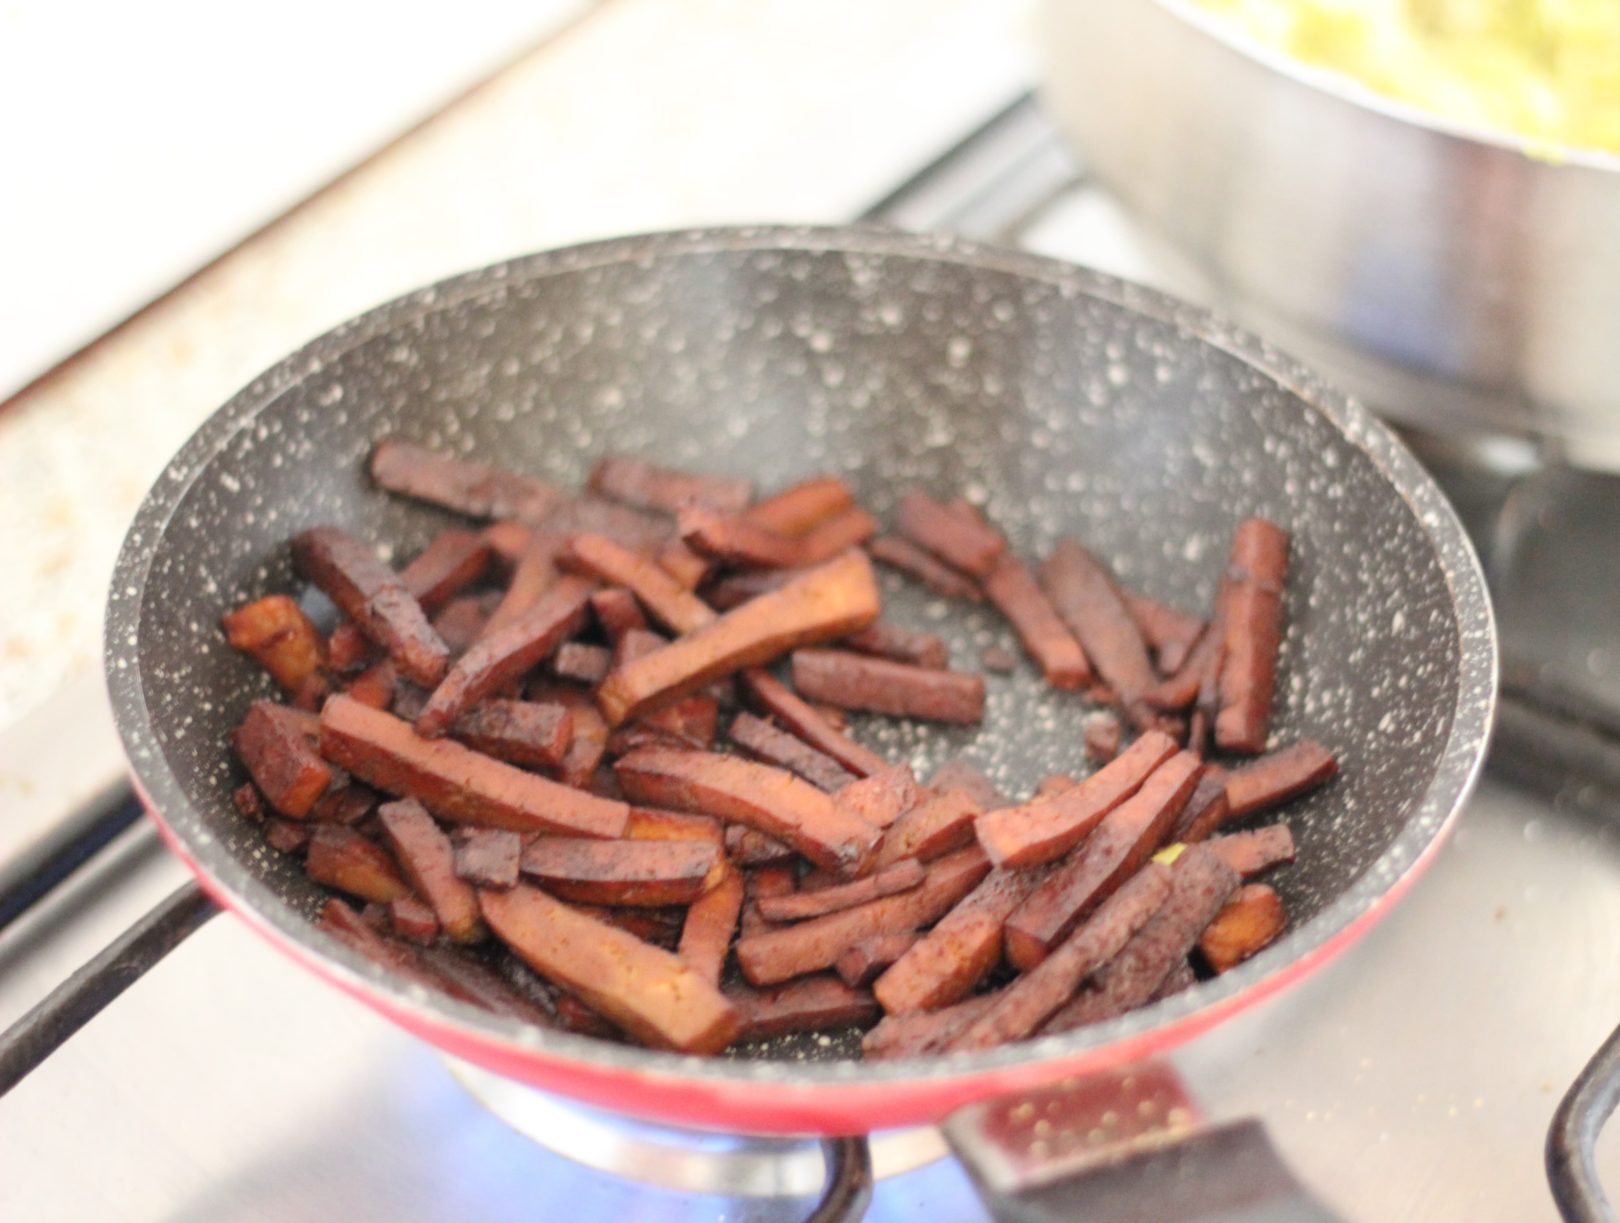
x: 688, y: 1161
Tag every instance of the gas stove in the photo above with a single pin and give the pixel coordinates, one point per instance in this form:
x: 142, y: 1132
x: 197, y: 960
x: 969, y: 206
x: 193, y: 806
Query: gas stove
x: 225, y: 1083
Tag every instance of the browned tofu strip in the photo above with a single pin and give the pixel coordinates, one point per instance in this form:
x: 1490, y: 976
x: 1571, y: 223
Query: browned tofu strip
x: 536, y: 573
x: 637, y: 643
x: 951, y: 959
x: 751, y: 847
x: 653, y: 824
x: 487, y: 857
x: 581, y: 662
x: 737, y: 588
x: 865, y: 961
x: 461, y: 622
x: 1111, y: 855
x: 962, y: 541
x: 371, y: 594
x: 642, y: 532
x: 640, y: 873
x: 800, y: 906
x: 1046, y: 828
x: 1101, y: 735
x: 509, y: 541
x: 1279, y: 776
x: 426, y: 856
x: 650, y: 993
x: 346, y: 804
x: 272, y: 744
x: 815, y: 1004
x: 413, y: 920
x: 665, y: 599
x: 247, y: 800
x: 659, y: 924
x: 341, y: 858
x: 1168, y: 632
x: 286, y: 836
x: 883, y: 797
x: 1253, y: 614
x: 1090, y: 603
x: 487, y: 987
x: 767, y: 799
x: 454, y: 560
x: 937, y: 825
x: 733, y: 540
x: 1046, y: 638
x: 1022, y: 1007
x: 649, y: 486
x: 617, y: 611
x: 784, y: 705
x: 765, y: 742
x: 344, y: 924
x: 774, y: 880
x: 691, y: 722
x: 1054, y: 784
x: 278, y: 636
x: 524, y: 732
x: 374, y: 686
x: 773, y: 955
x: 1250, y: 922
x: 348, y: 649
x: 911, y: 560
x: 689, y: 569
x: 711, y: 922
x: 959, y: 774
x: 830, y: 601
x: 474, y: 489
x: 456, y: 783
x: 854, y: 681
x: 852, y: 527
x: 1200, y: 884
x: 637, y: 735
x: 900, y: 644
x: 1206, y: 811
x: 1255, y: 850
x: 506, y: 655
x: 589, y: 744
x: 1180, y: 690
x: 802, y: 507
x: 918, y: 1033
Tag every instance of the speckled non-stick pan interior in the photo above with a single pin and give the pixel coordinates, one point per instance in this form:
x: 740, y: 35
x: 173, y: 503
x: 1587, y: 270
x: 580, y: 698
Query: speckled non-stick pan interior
x: 1062, y: 401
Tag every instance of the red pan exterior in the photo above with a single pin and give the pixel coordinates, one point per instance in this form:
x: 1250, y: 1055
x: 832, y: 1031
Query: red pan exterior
x: 781, y: 1108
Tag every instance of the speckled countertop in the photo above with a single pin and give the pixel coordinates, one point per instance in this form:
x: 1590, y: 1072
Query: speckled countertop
x: 646, y: 114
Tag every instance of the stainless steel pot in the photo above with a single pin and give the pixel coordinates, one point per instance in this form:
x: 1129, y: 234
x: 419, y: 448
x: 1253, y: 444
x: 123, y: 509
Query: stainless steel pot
x: 1437, y: 271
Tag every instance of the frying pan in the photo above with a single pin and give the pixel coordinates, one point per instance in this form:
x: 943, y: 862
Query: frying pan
x: 1065, y: 401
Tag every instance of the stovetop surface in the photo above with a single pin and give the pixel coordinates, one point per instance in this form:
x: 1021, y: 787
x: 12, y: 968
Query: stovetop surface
x: 1413, y: 1078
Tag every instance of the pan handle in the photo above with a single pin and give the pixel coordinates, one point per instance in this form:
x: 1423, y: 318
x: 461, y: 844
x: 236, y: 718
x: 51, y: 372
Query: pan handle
x: 1571, y: 1171
x: 1124, y: 1145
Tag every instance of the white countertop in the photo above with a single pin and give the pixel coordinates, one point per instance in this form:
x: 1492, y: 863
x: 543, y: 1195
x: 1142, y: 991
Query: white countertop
x: 644, y: 114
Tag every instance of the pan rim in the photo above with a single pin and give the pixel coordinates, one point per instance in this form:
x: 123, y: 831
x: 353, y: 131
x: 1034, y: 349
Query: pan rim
x: 1161, y: 1025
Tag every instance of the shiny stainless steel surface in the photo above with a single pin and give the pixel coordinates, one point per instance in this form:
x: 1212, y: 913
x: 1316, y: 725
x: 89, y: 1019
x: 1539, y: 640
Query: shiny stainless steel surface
x: 1412, y: 1080
x: 1436, y: 272
x: 691, y: 1161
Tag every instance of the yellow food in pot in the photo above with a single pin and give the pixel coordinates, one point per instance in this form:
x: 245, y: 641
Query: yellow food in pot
x: 1547, y: 71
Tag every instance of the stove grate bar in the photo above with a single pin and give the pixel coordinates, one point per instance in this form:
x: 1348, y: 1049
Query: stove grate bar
x: 78, y: 1000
